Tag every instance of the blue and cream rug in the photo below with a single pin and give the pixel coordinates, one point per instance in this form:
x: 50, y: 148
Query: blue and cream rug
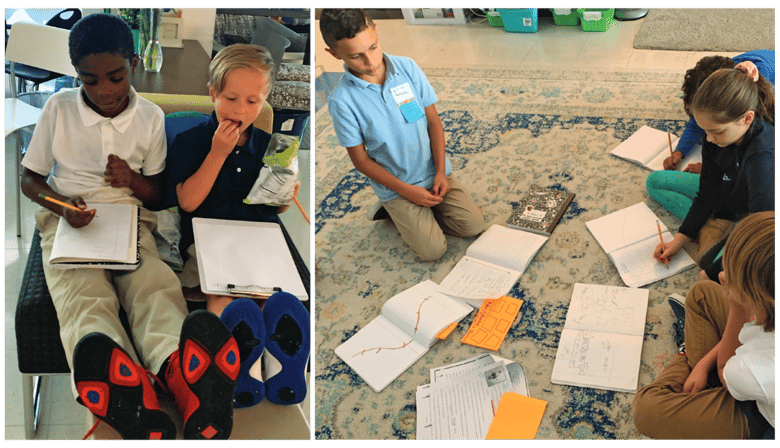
x: 506, y: 130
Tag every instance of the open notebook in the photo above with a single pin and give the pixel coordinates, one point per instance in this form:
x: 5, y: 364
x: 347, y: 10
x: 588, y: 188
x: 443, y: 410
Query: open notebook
x: 110, y: 241
x: 244, y: 259
x: 648, y: 147
x: 401, y: 335
x: 629, y: 237
x: 492, y: 264
x: 601, y: 341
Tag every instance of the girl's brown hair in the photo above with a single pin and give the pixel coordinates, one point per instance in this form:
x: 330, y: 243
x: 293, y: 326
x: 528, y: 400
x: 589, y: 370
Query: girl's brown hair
x: 695, y: 76
x: 728, y: 94
x: 749, y: 264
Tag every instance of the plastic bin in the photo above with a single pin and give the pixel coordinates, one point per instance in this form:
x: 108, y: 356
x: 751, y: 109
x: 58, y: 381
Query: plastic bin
x: 565, y: 17
x: 494, y: 18
x: 520, y: 20
x: 596, y: 19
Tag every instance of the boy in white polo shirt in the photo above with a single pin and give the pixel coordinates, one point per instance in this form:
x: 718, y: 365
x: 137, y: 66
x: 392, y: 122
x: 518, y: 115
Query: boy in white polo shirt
x: 384, y: 114
x: 103, y: 143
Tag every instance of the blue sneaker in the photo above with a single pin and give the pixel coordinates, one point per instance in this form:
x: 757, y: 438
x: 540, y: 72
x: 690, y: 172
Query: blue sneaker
x: 287, y: 348
x: 677, y: 302
x: 244, y: 318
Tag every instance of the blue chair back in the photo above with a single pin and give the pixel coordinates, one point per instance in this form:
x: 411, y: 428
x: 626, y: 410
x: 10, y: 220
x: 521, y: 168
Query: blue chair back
x: 175, y: 123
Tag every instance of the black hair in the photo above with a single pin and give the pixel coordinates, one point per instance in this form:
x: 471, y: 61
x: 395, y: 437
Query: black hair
x: 100, y: 33
x: 337, y: 24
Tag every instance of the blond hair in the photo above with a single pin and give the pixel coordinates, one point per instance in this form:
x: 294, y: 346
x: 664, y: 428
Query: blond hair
x: 252, y: 57
x: 749, y: 264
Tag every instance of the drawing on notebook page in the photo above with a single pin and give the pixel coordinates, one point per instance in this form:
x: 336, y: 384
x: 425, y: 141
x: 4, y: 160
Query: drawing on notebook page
x: 590, y: 348
x: 379, y: 349
x: 610, y: 307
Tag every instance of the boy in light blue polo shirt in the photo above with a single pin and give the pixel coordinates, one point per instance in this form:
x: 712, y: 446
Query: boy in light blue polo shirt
x: 384, y: 113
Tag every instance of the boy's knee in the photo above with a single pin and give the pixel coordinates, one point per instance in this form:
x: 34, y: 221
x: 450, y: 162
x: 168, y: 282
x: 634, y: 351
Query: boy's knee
x: 431, y: 252
x: 642, y: 414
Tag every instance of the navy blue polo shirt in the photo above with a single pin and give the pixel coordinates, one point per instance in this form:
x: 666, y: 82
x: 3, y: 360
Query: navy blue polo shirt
x: 235, y: 179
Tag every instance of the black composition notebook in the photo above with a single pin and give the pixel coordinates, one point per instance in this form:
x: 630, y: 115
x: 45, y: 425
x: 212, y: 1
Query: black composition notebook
x: 540, y: 210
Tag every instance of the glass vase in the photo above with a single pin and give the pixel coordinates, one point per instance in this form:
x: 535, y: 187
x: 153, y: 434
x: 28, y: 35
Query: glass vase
x: 153, y: 54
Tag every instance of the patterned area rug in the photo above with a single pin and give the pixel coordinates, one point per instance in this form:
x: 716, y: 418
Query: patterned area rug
x: 506, y: 130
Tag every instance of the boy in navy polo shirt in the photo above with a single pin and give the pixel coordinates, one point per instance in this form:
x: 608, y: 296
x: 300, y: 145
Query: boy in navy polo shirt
x: 384, y: 114
x: 214, y: 166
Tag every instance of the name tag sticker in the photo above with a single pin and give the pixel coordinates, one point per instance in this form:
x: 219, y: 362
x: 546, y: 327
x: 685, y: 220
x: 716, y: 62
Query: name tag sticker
x: 405, y: 99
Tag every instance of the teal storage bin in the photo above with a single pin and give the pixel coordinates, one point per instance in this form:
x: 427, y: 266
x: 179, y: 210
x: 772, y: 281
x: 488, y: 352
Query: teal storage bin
x: 520, y: 20
x: 596, y: 19
x: 563, y: 18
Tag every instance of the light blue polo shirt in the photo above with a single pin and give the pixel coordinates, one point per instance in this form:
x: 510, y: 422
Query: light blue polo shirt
x: 368, y: 113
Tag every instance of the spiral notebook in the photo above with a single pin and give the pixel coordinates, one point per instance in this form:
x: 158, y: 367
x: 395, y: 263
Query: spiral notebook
x: 110, y: 241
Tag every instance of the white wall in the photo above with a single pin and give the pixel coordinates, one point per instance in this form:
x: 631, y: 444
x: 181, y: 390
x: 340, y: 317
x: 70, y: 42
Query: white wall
x: 198, y: 24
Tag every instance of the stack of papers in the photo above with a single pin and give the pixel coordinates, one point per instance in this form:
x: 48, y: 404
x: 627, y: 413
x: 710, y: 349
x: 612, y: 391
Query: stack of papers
x: 462, y: 398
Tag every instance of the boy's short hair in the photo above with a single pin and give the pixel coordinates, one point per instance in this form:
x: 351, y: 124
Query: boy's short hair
x: 252, y: 57
x: 100, y: 33
x: 749, y: 264
x: 337, y: 24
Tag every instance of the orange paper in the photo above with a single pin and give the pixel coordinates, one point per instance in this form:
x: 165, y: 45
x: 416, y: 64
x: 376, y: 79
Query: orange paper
x: 492, y: 322
x: 517, y: 417
x: 446, y: 332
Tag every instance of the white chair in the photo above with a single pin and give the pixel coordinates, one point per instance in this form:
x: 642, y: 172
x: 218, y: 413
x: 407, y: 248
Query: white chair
x: 38, y: 46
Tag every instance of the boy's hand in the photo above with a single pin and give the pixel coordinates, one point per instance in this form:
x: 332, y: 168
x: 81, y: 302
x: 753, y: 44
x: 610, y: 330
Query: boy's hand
x: 420, y: 196
x: 694, y: 168
x: 118, y: 173
x: 225, y: 138
x: 78, y: 219
x: 697, y: 379
x: 441, y: 185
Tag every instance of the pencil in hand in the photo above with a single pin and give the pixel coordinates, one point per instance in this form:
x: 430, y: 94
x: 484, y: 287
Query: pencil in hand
x: 660, y: 235
x: 58, y: 202
x: 671, y: 152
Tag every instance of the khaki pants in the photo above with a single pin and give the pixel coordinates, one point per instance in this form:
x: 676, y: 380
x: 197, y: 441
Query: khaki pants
x: 423, y: 228
x: 714, y: 230
x: 88, y: 300
x: 663, y: 411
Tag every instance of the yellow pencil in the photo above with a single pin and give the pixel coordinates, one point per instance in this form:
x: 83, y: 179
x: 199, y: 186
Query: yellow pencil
x: 671, y: 153
x: 58, y: 202
x: 658, y: 223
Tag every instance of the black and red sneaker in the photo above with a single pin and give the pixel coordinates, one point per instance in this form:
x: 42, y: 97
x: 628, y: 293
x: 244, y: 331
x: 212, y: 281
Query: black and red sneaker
x: 201, y: 376
x: 117, y: 390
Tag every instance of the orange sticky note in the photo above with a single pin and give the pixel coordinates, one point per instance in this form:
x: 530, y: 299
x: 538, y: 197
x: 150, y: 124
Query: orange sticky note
x: 492, y: 322
x: 517, y: 417
x: 446, y: 332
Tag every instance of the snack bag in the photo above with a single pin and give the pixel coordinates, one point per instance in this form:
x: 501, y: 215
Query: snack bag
x: 276, y: 183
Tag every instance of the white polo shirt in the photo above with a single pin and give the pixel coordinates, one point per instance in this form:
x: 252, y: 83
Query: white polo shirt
x: 71, y: 144
x: 750, y: 373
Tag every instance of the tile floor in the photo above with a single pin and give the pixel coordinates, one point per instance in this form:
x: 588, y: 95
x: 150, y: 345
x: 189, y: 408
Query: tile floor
x: 470, y: 45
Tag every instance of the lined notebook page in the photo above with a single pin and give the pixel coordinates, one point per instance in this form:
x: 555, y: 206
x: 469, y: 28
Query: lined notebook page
x: 106, y: 238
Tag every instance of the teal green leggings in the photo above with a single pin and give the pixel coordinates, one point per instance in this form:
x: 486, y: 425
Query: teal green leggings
x: 673, y: 190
